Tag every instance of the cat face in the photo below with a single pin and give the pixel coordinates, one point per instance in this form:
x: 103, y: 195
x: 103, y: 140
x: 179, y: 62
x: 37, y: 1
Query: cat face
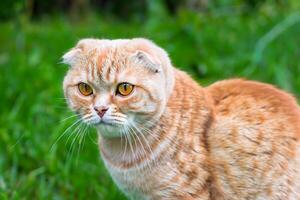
x: 117, y: 85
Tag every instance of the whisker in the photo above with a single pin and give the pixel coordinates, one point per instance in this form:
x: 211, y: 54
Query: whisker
x: 136, y: 147
x: 81, y: 140
x: 156, y: 137
x: 72, y: 116
x: 74, y: 131
x: 130, y: 145
x: 121, y: 138
x: 61, y: 98
x: 125, y: 142
x: 76, y: 122
x: 72, y: 147
x: 147, y: 143
x: 133, y: 136
x: 91, y: 139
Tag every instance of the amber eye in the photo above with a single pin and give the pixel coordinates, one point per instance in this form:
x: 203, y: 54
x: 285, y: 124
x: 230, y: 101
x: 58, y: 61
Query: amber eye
x: 124, y: 89
x: 85, y: 89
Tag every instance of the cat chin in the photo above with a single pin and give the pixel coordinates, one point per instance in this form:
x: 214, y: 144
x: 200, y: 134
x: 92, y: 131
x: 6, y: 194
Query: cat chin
x: 109, y: 131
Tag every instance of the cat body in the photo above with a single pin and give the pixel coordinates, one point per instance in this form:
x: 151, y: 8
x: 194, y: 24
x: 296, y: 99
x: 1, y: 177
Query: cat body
x: 166, y: 172
x: 235, y: 139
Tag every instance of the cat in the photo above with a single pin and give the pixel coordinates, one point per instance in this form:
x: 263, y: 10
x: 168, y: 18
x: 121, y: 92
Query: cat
x: 163, y: 136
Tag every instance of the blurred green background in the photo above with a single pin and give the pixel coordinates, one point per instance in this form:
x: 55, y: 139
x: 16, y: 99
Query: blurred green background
x: 211, y: 40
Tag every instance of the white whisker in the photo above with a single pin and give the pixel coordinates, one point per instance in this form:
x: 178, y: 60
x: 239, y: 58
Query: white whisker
x: 148, y: 145
x: 130, y: 145
x: 81, y: 141
x: 81, y: 120
x: 137, y: 149
x: 125, y: 134
x: 72, y: 116
x: 66, y: 131
x: 77, y: 135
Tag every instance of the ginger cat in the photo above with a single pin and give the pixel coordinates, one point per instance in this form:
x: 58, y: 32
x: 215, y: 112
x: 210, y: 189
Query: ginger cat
x: 162, y: 136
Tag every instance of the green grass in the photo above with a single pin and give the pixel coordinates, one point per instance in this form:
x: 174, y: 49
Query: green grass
x: 210, y: 46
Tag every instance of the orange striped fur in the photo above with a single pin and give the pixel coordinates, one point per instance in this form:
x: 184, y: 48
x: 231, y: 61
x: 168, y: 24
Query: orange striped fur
x: 172, y: 139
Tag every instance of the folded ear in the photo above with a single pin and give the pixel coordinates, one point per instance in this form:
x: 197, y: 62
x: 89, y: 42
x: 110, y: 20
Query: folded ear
x: 75, y: 54
x: 72, y: 56
x: 148, y: 61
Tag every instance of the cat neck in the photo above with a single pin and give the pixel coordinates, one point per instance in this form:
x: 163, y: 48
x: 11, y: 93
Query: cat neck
x: 188, y: 109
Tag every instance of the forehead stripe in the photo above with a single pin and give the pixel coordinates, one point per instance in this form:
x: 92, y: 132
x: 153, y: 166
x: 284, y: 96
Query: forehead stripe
x: 108, y: 73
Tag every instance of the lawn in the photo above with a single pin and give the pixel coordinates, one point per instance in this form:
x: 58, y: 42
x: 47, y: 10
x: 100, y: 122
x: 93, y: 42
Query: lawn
x: 261, y: 44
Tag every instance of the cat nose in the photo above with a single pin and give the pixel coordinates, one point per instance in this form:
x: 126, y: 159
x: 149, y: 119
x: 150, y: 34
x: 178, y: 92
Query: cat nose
x: 101, y: 110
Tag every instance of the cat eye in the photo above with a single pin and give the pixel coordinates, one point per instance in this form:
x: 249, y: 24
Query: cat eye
x: 124, y: 89
x: 85, y: 89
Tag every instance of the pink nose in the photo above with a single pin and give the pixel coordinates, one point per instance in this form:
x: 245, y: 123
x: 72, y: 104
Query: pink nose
x: 101, y: 110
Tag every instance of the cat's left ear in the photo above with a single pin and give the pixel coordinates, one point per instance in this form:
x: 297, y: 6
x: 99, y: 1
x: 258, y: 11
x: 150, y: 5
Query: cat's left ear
x: 147, y: 60
x: 72, y: 56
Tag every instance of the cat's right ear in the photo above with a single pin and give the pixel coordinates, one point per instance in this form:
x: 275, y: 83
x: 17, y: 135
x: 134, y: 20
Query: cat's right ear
x: 72, y: 56
x: 147, y: 60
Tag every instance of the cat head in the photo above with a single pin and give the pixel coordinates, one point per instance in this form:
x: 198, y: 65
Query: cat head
x: 117, y: 85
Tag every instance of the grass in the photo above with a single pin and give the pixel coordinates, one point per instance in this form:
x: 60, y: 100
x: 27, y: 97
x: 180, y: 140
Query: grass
x: 210, y: 46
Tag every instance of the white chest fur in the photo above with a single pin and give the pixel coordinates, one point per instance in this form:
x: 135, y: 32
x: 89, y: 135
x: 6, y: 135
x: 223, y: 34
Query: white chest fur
x: 136, y: 183
x: 142, y: 183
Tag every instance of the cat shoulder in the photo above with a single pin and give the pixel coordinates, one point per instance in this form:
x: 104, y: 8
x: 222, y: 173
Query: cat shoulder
x: 255, y: 89
x: 258, y: 92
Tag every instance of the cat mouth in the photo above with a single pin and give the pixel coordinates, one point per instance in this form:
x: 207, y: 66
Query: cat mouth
x: 103, y: 123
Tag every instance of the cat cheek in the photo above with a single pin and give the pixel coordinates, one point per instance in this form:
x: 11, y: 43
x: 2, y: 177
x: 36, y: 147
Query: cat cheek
x: 77, y: 104
x: 71, y: 102
x: 128, y: 106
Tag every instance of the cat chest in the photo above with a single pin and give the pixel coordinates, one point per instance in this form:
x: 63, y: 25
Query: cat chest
x: 134, y: 182
x: 140, y: 184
